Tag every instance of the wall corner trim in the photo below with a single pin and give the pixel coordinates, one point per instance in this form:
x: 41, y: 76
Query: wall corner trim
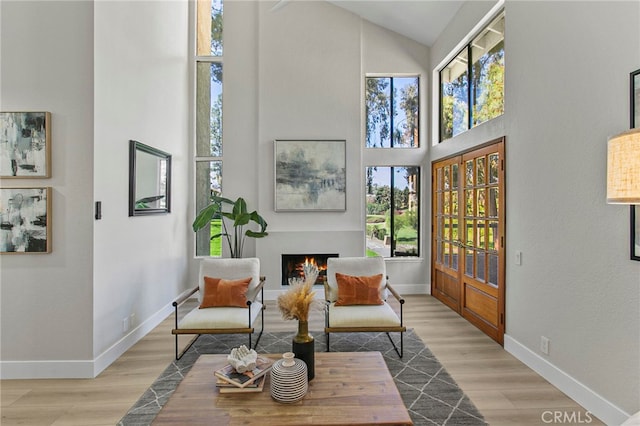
x: 589, y: 399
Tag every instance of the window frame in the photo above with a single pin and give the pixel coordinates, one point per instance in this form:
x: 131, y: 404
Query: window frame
x: 198, y: 160
x: 391, y: 77
x: 392, y: 187
x: 436, y: 98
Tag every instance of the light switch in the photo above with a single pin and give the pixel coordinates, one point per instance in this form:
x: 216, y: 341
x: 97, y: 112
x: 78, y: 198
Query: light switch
x: 518, y: 258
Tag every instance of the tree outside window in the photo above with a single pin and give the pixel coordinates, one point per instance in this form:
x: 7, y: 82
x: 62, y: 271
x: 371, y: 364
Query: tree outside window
x: 392, y: 205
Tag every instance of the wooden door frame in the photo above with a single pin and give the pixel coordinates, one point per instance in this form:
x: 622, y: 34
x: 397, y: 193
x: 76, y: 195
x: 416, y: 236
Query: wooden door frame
x: 495, y: 333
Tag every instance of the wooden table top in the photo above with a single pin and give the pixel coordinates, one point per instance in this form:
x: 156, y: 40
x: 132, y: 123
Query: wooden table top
x: 348, y: 388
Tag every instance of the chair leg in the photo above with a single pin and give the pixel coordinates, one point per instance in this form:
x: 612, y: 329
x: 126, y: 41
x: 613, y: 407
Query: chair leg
x: 187, y: 347
x: 327, y: 335
x: 401, y: 351
x: 261, y: 329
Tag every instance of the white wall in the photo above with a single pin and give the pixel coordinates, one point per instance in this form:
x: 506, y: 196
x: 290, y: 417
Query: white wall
x: 47, y: 310
x: 311, y: 62
x: 567, y: 76
x: 108, y: 72
x: 142, y: 93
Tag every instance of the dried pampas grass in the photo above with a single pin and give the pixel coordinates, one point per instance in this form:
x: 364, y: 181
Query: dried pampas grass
x: 299, y: 300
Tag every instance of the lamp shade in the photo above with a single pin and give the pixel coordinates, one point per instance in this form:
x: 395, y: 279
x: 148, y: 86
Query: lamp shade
x: 623, y: 168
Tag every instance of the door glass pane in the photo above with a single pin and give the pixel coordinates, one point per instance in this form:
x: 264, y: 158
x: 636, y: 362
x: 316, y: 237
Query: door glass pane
x: 480, y: 171
x: 447, y: 254
x: 469, y: 202
x: 480, y: 205
x: 454, y: 88
x: 454, y: 203
x: 439, y: 203
x: 454, y: 176
x: 440, y: 230
x: 447, y: 207
x: 493, y: 168
x: 469, y: 173
x: 492, y: 239
x: 454, y: 229
x: 493, y: 202
x: 493, y: 269
x: 454, y: 257
x: 439, y: 252
x: 480, y: 268
x: 480, y: 241
x: 209, y: 110
x: 468, y: 265
x: 446, y: 177
x: 447, y: 233
x: 439, y: 179
x: 208, y: 183
x: 469, y: 227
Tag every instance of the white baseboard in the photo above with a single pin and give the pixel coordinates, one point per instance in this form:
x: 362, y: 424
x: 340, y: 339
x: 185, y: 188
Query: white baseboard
x: 593, y: 402
x: 82, y: 369
x: 107, y: 358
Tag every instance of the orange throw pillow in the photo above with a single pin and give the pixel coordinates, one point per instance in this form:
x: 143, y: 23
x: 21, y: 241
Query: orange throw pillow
x: 354, y: 290
x: 219, y: 292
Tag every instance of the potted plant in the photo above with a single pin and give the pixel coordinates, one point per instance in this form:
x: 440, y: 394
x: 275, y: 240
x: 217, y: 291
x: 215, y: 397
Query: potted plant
x: 238, y: 215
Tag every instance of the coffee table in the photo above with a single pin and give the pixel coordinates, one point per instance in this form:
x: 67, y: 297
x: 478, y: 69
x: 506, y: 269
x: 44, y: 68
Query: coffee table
x: 348, y: 388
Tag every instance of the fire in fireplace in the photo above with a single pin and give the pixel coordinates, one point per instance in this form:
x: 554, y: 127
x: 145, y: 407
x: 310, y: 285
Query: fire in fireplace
x: 293, y: 266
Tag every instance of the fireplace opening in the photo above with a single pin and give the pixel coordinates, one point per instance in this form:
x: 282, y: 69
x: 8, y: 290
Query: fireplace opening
x: 293, y: 266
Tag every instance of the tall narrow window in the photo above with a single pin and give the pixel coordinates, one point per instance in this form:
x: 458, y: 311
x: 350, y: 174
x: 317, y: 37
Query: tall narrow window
x: 209, y: 152
x: 472, y: 83
x: 393, y: 211
x: 393, y: 106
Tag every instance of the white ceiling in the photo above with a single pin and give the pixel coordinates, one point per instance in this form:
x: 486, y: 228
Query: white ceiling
x: 420, y: 20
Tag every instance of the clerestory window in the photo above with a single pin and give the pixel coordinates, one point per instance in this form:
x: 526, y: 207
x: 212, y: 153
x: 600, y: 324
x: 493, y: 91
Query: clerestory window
x: 209, y: 151
x: 472, y: 83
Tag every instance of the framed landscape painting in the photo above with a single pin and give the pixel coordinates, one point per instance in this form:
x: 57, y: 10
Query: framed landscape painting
x: 25, y: 144
x: 634, y: 96
x: 310, y: 175
x: 25, y: 220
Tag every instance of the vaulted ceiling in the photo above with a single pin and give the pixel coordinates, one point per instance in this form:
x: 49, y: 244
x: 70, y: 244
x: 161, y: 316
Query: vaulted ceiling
x: 419, y: 20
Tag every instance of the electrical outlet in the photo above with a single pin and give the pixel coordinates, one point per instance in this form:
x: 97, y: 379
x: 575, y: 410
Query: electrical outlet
x: 544, y: 345
x: 125, y: 324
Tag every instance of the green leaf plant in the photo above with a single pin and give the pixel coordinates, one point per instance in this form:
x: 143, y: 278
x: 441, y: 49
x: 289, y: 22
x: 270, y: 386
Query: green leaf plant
x: 240, y: 218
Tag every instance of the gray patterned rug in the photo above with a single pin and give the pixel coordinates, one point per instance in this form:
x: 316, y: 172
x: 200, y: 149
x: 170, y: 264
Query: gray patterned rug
x: 429, y: 393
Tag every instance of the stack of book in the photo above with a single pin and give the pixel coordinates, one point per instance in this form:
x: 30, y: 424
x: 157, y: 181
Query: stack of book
x: 230, y: 381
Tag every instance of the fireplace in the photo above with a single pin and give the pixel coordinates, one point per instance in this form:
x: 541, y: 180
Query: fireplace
x: 293, y: 266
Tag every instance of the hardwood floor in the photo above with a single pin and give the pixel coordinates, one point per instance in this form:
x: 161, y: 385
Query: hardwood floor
x: 504, y: 390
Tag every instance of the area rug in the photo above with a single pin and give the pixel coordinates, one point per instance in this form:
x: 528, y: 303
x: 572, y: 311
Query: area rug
x: 428, y: 391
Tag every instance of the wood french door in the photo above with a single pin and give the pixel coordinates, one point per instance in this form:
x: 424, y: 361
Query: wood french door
x: 468, y: 230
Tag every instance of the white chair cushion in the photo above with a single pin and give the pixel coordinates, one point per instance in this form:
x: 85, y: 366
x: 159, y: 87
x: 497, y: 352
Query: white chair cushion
x: 216, y: 318
x: 363, y: 316
x: 356, y: 266
x: 231, y: 269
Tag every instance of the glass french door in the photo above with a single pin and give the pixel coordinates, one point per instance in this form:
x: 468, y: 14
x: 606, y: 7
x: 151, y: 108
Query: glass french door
x: 468, y: 236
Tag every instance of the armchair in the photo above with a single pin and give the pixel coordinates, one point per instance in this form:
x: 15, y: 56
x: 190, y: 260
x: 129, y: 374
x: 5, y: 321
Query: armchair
x: 227, y: 305
x: 356, y: 292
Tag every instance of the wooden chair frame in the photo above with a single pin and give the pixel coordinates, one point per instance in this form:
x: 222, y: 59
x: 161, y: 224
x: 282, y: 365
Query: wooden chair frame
x: 200, y: 331
x: 399, y: 329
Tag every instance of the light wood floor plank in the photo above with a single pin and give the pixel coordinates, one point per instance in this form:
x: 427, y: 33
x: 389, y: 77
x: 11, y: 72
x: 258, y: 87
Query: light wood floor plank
x: 505, y: 391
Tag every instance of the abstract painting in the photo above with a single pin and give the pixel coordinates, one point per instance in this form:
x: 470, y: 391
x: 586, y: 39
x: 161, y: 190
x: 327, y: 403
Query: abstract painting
x: 25, y: 220
x: 25, y: 144
x: 310, y: 175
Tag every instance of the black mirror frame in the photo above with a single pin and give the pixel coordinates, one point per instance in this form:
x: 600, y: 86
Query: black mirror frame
x: 134, y: 147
